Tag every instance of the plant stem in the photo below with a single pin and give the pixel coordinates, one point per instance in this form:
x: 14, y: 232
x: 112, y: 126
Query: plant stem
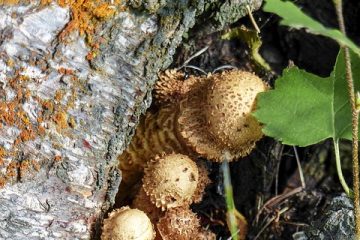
x: 339, y: 170
x: 355, y: 120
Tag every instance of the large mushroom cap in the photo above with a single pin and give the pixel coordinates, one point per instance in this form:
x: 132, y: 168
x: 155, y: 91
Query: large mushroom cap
x: 170, y: 181
x: 127, y: 224
x: 216, y: 117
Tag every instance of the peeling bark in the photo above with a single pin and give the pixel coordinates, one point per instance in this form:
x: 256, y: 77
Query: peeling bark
x: 64, y: 119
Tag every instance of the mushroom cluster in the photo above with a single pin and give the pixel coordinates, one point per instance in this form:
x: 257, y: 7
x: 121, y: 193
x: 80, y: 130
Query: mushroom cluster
x: 199, y: 117
x: 171, y: 183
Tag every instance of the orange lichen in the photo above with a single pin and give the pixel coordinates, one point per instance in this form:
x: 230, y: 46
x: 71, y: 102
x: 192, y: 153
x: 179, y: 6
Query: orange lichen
x: 2, y: 182
x: 65, y: 71
x: 24, y: 136
x: 86, y: 15
x: 57, y: 158
x: 12, y: 114
x: 59, y: 94
x: 12, y: 169
x: 9, y: 2
x: 60, y: 118
x: 47, y: 105
x: 2, y: 154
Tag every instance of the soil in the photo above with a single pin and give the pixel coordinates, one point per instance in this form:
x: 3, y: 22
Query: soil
x: 271, y: 170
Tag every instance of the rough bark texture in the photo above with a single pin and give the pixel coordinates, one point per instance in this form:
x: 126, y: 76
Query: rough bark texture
x: 64, y: 119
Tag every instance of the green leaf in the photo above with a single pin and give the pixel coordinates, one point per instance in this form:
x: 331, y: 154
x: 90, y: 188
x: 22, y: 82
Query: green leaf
x: 304, y: 109
x: 294, y: 17
x: 252, y: 39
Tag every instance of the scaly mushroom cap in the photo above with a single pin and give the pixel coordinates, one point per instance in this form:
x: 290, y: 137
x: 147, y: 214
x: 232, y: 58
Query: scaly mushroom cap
x: 205, y: 234
x: 126, y: 223
x: 170, y: 181
x: 216, y: 117
x: 179, y: 223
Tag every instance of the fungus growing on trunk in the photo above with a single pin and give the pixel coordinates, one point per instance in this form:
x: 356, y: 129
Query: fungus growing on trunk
x: 199, y: 117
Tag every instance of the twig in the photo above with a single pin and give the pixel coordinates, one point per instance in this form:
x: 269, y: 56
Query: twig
x: 355, y: 120
x: 252, y: 19
x: 198, y: 53
x: 224, y: 67
x: 270, y: 221
x: 277, y: 199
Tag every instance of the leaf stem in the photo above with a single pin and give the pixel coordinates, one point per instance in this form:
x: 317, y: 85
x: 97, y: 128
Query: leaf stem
x: 355, y: 120
x: 339, y: 170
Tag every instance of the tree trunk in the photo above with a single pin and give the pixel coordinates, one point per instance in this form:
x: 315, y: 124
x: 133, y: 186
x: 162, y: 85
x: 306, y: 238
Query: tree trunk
x: 68, y: 108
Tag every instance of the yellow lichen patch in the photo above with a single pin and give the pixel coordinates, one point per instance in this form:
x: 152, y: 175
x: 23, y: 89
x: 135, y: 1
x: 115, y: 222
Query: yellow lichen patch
x: 59, y: 94
x: 2, y: 182
x: 52, y: 111
x: 11, y: 170
x: 60, y: 119
x: 86, y: 15
x: 9, y: 2
x: 2, y: 154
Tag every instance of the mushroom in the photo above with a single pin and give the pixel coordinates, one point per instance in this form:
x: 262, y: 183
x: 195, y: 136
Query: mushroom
x: 171, y: 180
x: 179, y: 223
x: 126, y: 223
x: 215, y: 117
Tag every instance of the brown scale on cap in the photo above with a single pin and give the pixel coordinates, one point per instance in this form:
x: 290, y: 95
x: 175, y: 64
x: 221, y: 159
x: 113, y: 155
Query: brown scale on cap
x: 126, y: 223
x: 171, y: 181
x: 179, y: 223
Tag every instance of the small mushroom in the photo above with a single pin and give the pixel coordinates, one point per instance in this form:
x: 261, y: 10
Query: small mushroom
x: 179, y: 223
x: 126, y: 223
x: 171, y: 180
